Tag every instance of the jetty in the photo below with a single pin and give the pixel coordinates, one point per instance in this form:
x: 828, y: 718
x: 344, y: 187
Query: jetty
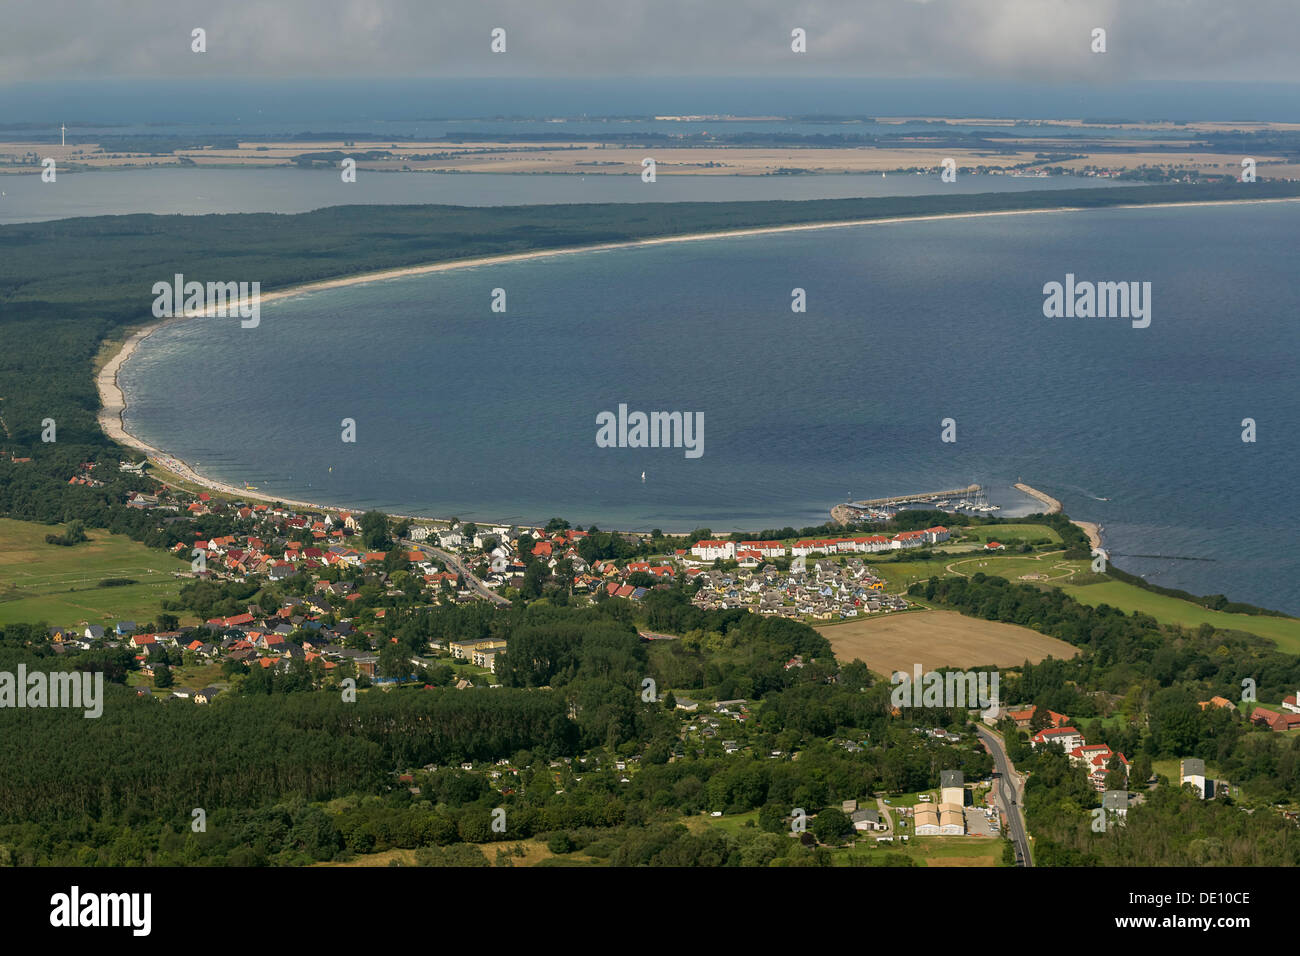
x: 1053, y: 506
x: 842, y: 514
x: 1089, y: 528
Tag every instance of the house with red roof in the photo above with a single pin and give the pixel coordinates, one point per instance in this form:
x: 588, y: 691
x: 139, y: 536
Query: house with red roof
x: 768, y: 549
x: 1068, y: 737
x: 713, y: 550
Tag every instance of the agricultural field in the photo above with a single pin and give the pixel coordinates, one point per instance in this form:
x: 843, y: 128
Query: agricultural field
x: 1285, y: 631
x: 892, y: 642
x: 60, y: 585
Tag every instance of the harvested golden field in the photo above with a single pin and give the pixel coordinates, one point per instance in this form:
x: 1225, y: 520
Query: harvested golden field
x: 898, y: 642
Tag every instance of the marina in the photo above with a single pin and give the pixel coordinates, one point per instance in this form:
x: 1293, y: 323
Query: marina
x: 972, y: 498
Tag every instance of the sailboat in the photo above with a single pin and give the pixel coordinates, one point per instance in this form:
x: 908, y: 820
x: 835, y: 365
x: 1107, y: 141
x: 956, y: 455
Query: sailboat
x: 643, y: 476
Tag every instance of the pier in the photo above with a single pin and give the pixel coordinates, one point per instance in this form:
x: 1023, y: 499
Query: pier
x: 910, y: 499
x: 841, y: 514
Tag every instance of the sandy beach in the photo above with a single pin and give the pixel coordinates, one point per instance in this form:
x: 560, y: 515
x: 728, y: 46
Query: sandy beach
x: 113, y: 401
x: 1091, y: 529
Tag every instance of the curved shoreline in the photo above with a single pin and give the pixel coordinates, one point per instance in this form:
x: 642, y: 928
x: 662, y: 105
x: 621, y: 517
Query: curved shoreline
x: 1090, y: 528
x: 113, y: 400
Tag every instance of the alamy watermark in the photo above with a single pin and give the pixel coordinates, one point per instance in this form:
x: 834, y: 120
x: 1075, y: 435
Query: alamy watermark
x: 83, y: 689
x: 221, y: 299
x: 75, y: 909
x: 651, y: 430
x: 1099, y: 300
x: 951, y: 690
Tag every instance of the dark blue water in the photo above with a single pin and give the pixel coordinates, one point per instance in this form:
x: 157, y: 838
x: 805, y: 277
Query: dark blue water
x: 464, y: 412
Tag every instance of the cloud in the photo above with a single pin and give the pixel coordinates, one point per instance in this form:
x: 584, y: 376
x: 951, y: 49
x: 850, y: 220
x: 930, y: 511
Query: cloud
x: 1021, y: 40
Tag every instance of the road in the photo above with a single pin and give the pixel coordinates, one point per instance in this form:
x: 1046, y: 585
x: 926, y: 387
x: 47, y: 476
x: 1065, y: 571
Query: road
x: 454, y: 563
x: 884, y: 812
x: 1010, y: 795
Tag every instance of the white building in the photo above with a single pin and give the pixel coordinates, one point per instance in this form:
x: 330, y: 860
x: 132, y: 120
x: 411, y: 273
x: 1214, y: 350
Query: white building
x: 713, y: 550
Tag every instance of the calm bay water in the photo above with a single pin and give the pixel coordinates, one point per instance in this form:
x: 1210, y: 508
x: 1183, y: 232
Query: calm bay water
x: 199, y: 191
x: 481, y: 415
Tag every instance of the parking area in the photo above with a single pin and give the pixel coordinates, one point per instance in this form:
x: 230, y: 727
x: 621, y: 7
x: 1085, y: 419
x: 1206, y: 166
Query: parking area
x: 979, y: 823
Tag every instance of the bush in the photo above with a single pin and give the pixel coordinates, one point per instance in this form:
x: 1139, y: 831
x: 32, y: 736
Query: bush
x: 560, y: 843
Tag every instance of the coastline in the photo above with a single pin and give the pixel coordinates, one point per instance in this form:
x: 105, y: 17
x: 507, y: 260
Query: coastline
x: 113, y: 399
x: 1090, y: 528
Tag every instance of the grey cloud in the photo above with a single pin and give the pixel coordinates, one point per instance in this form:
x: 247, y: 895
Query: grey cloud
x: 1021, y: 40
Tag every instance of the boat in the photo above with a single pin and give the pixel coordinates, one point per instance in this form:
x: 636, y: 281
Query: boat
x: 643, y: 476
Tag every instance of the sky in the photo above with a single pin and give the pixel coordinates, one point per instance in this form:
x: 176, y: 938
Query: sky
x: 1021, y: 41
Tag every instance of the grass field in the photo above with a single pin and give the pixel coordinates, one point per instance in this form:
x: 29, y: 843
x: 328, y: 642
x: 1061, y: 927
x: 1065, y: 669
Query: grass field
x: 933, y: 639
x: 1129, y: 597
x: 1007, y: 533
x: 192, y: 678
x: 58, y: 585
x: 1014, y: 568
x: 924, y: 851
x: 901, y: 574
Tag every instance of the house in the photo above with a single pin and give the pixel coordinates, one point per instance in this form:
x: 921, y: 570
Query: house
x: 952, y: 787
x: 124, y: 628
x: 487, y: 656
x: 1274, y: 721
x: 1067, y: 737
x: 1022, y: 717
x: 1284, y: 722
x: 207, y: 695
x: 925, y: 820
x: 465, y: 650
x: 1192, y: 770
x: 866, y: 820
x: 713, y: 550
x: 1220, y: 703
x: 952, y: 820
x: 946, y: 819
x: 686, y: 704
x: 995, y: 546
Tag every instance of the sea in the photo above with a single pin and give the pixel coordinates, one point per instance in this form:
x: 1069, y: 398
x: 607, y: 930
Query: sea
x: 912, y: 331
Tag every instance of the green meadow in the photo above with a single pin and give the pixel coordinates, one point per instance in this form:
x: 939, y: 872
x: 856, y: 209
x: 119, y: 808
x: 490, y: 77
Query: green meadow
x: 1285, y: 631
x: 60, y: 585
